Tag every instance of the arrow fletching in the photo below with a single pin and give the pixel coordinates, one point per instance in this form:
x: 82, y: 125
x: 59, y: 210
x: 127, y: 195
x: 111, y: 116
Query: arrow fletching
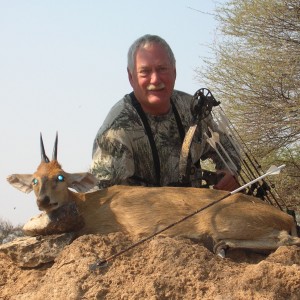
x: 273, y: 170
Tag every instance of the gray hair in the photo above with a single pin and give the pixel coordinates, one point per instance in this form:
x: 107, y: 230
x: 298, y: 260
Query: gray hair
x: 142, y: 42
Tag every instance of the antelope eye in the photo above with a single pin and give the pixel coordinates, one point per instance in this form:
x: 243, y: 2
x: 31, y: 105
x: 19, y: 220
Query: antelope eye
x: 34, y: 181
x: 60, y: 178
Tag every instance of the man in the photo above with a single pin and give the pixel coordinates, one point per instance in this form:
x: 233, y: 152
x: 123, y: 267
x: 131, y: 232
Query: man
x: 140, y: 140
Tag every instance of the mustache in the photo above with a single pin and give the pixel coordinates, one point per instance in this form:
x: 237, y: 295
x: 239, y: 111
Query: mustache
x: 152, y: 87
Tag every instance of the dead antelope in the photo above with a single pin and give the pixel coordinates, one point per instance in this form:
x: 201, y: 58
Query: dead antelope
x: 239, y: 221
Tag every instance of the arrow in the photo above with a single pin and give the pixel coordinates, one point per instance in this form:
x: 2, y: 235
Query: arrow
x: 212, y: 143
x: 273, y: 170
x: 227, y: 127
x: 216, y: 137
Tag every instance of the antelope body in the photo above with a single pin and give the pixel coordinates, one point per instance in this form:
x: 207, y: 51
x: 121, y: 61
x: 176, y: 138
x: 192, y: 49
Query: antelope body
x: 239, y: 221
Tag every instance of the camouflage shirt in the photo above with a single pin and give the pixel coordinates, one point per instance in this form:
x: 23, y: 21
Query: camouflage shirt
x: 122, y: 152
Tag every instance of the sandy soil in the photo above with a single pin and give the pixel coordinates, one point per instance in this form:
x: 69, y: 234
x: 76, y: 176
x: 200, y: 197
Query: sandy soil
x: 162, y: 268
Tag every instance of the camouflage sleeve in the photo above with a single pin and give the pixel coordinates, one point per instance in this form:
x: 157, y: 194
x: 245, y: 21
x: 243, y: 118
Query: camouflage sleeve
x: 112, y: 161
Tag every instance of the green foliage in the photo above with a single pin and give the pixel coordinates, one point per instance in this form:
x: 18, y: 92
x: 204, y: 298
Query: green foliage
x: 255, y: 73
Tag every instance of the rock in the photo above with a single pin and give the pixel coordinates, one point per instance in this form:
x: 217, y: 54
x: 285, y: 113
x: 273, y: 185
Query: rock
x: 64, y: 219
x: 35, y: 251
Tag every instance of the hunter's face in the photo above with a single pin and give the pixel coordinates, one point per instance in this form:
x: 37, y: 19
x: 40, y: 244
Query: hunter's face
x: 153, y: 79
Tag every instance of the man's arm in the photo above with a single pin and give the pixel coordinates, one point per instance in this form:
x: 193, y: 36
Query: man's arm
x: 112, y: 161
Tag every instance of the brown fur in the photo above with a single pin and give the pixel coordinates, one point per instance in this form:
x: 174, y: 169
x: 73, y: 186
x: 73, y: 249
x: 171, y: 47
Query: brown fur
x: 48, y: 169
x: 239, y: 221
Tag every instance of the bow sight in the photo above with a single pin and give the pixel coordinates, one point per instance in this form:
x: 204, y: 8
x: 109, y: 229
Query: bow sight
x: 203, y: 102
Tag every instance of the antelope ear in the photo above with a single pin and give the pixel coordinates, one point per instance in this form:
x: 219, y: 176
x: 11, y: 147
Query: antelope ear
x: 81, y: 182
x: 21, y: 182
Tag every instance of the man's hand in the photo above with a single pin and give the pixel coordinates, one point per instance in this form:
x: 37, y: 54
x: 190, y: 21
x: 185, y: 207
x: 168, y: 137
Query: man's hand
x: 228, y: 181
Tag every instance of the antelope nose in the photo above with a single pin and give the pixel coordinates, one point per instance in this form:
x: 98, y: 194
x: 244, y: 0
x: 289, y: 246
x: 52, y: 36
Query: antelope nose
x: 42, y: 201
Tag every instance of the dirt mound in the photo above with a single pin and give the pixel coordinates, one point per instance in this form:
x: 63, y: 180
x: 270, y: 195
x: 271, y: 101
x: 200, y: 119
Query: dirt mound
x: 162, y: 268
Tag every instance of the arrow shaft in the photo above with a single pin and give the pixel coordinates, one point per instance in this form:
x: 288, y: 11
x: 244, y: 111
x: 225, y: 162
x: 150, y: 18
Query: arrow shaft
x: 257, y: 179
x: 103, y: 262
x: 213, y: 145
x: 236, y: 140
x: 228, y: 157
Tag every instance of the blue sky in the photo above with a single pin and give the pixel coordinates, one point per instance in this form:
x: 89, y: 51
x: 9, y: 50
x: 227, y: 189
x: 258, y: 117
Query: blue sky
x: 63, y: 66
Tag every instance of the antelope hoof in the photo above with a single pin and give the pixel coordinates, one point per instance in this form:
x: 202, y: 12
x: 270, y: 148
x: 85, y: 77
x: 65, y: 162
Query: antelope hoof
x: 220, y: 249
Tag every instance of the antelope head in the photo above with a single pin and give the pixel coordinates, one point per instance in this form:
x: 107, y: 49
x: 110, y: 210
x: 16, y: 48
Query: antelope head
x: 51, y: 183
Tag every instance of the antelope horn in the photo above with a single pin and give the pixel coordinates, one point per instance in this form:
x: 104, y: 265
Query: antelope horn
x: 54, y: 155
x: 43, y: 154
